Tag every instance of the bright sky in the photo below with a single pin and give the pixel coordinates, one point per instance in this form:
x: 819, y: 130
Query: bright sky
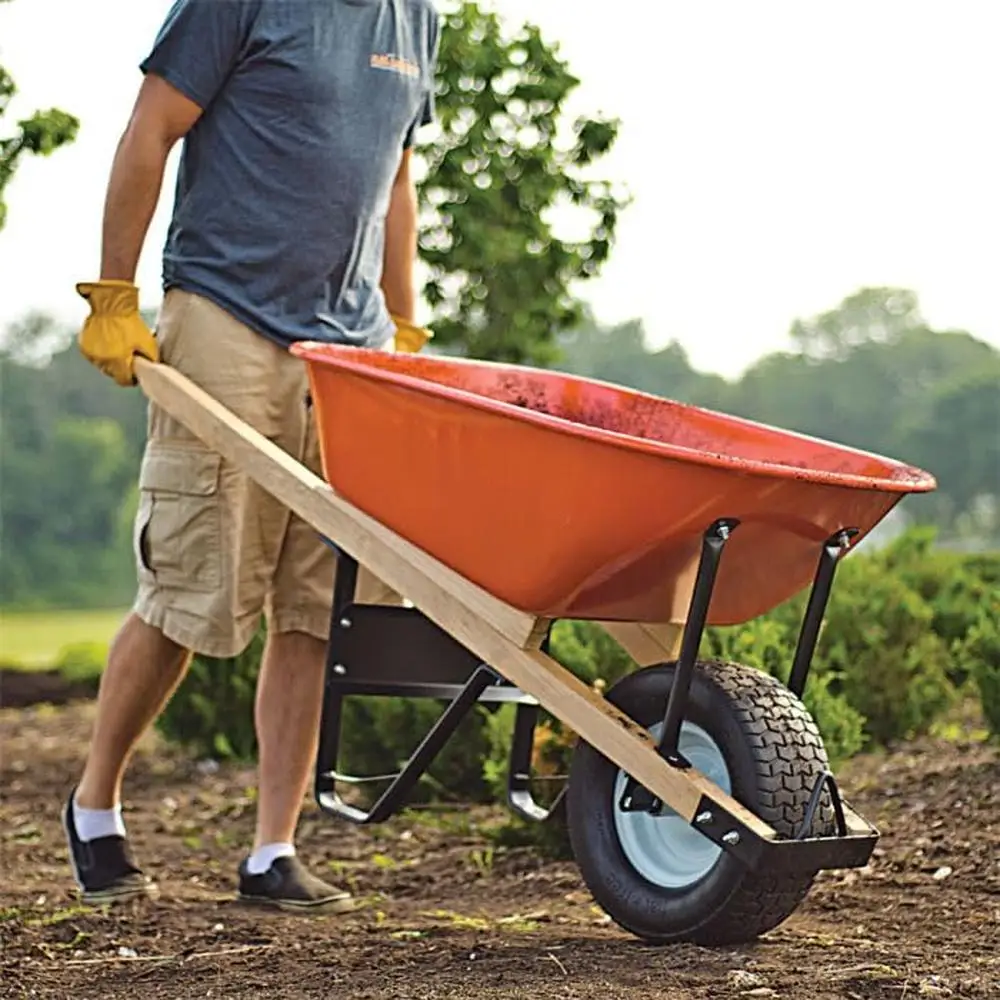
x: 780, y: 155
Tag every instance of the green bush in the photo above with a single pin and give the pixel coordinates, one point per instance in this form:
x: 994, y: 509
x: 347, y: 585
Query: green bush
x: 879, y: 649
x: 768, y: 644
x: 590, y: 652
x: 81, y: 661
x: 211, y: 712
x: 379, y: 734
x: 980, y: 653
x: 955, y: 586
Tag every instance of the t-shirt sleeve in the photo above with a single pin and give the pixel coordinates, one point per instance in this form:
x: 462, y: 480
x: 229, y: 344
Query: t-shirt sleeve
x: 426, y: 113
x: 199, y: 45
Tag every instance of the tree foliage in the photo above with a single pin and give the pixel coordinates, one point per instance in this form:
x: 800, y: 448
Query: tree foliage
x: 69, y: 454
x: 40, y: 134
x: 870, y: 316
x: 503, y: 165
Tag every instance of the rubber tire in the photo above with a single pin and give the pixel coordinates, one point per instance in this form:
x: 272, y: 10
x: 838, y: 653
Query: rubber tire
x: 774, y: 754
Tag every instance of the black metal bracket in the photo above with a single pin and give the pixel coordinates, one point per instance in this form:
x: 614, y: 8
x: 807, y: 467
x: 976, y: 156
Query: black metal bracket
x: 712, y: 544
x: 825, y: 780
x: 519, y: 777
x: 387, y: 651
x: 850, y: 847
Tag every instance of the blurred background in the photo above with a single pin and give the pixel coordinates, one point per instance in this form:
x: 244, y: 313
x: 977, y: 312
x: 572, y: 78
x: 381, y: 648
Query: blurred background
x: 784, y: 211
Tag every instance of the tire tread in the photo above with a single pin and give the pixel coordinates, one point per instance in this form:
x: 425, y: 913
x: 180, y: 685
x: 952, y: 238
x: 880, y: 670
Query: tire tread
x: 790, y: 758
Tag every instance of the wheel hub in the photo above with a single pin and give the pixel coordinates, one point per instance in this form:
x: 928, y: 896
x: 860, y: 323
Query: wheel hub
x: 664, y: 848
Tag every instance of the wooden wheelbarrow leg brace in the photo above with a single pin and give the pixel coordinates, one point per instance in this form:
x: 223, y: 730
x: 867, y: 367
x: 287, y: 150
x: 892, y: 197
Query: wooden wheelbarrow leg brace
x: 507, y: 639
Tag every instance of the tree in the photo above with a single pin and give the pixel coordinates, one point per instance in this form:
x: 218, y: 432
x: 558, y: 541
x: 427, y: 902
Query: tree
x: 69, y: 452
x: 620, y: 354
x: 40, y: 135
x: 34, y: 340
x: 870, y: 315
x: 958, y: 437
x: 863, y: 372
x: 61, y: 526
x: 500, y: 275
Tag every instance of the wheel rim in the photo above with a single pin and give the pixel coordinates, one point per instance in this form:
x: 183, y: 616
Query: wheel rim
x: 665, y: 849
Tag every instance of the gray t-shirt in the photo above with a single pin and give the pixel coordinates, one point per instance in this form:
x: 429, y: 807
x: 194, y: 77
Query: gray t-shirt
x: 284, y: 181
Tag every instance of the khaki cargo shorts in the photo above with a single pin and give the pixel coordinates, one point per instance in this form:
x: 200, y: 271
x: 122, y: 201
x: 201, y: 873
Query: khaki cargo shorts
x: 213, y: 550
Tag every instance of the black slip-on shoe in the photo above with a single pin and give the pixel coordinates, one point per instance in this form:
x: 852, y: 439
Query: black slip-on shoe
x: 103, y: 868
x: 287, y: 886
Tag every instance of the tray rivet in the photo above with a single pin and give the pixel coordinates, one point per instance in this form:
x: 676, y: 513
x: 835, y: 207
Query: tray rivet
x: 732, y: 838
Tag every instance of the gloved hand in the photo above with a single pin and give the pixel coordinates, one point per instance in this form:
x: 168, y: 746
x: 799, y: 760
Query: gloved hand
x: 114, y: 331
x: 410, y: 338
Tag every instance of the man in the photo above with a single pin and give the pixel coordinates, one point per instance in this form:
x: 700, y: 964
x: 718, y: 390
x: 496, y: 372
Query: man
x: 294, y: 218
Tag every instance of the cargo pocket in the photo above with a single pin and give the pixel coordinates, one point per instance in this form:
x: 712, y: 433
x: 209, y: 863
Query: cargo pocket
x: 178, y: 526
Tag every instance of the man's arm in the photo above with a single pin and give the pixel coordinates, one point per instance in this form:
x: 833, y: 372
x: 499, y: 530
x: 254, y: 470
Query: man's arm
x: 161, y: 117
x: 401, y: 244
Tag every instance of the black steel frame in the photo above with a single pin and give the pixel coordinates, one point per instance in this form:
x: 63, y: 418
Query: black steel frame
x: 387, y: 651
x: 397, y: 651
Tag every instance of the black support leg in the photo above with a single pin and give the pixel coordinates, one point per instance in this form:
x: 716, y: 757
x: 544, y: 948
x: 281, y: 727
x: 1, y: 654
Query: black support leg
x: 519, y: 795
x: 635, y: 797
x: 694, y: 628
x: 833, y: 549
x: 396, y: 795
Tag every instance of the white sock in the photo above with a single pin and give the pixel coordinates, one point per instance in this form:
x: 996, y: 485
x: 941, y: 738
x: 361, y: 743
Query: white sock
x: 261, y: 859
x: 94, y: 823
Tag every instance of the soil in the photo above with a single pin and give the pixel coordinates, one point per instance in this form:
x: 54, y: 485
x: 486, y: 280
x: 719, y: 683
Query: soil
x: 20, y: 688
x: 444, y: 915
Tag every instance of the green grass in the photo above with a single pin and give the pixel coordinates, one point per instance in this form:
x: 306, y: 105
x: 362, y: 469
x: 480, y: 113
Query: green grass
x: 34, y: 639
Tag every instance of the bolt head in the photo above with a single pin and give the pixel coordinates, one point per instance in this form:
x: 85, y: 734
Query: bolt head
x: 704, y: 818
x: 345, y: 622
x: 731, y: 837
x: 339, y: 669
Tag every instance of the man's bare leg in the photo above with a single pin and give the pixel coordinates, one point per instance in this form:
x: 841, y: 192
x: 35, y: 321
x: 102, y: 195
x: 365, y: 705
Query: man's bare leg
x: 289, y: 698
x: 143, y: 670
x: 287, y: 716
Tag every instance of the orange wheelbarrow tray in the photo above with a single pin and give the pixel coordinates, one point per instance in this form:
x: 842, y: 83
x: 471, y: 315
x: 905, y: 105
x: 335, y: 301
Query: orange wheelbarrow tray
x: 570, y: 498
x: 499, y: 499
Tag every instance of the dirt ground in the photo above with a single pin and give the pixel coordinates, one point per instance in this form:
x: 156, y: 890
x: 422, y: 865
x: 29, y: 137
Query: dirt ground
x: 446, y: 917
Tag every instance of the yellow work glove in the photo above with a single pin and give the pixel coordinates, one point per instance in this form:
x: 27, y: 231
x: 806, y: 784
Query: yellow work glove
x: 114, y: 331
x: 410, y: 338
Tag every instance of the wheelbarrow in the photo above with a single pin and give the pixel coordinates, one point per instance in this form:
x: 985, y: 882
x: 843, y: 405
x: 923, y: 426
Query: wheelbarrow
x: 498, y: 500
